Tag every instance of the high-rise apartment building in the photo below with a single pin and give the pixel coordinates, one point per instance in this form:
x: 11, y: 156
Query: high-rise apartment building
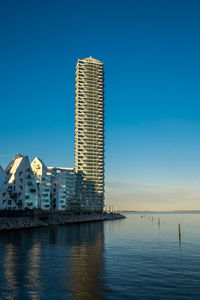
x: 89, y: 132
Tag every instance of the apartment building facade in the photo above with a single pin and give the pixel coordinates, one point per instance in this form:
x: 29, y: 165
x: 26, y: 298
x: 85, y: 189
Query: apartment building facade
x: 43, y: 179
x: 89, y: 133
x: 19, y: 190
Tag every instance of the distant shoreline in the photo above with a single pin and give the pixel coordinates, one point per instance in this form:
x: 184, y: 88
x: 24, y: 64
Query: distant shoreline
x: 158, y: 211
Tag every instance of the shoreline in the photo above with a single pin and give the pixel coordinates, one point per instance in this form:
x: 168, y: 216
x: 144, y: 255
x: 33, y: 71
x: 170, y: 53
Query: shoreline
x: 157, y: 211
x: 15, y: 223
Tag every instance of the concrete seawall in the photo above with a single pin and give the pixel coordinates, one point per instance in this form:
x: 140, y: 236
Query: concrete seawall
x: 54, y: 219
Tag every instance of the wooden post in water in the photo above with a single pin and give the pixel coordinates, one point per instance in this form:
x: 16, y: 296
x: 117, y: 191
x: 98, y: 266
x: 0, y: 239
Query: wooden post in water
x: 158, y: 222
x: 179, y: 233
x: 152, y: 219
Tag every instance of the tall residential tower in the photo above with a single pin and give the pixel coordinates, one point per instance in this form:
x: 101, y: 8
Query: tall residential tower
x: 89, y: 132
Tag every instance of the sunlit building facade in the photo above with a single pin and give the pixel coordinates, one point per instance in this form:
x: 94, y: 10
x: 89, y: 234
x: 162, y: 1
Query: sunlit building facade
x: 24, y: 185
x: 19, y: 190
x: 89, y: 132
x: 43, y: 179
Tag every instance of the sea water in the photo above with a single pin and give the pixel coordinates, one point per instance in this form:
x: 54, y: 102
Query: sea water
x: 145, y: 256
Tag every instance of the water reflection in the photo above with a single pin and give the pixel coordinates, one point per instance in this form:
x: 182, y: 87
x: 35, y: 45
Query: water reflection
x: 10, y: 269
x: 87, y: 264
x: 33, y: 272
x: 64, y: 262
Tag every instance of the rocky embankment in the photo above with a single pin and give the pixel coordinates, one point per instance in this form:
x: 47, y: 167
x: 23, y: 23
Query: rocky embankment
x: 54, y: 219
x: 19, y: 223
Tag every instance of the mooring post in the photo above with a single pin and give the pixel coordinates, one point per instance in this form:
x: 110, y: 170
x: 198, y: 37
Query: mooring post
x: 158, y: 222
x: 179, y: 232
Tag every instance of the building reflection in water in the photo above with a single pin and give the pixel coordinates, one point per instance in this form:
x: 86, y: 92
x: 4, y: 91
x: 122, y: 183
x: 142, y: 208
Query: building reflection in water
x: 33, y: 272
x: 21, y: 265
x: 63, y: 262
x: 87, y: 264
x: 9, y: 272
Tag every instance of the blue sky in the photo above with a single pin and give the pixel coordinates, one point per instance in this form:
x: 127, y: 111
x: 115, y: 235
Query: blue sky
x: 150, y: 51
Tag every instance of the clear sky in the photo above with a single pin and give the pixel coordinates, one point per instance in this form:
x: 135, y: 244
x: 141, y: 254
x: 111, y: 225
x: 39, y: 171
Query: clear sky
x: 151, y: 55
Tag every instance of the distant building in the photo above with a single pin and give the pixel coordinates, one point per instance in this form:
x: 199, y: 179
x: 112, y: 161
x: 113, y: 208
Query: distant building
x: 58, y: 189
x: 43, y: 179
x: 70, y: 187
x: 20, y: 189
x: 89, y: 133
x: 62, y: 187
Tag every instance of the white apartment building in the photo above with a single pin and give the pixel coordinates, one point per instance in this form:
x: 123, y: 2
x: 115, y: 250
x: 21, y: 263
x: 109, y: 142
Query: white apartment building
x: 89, y: 132
x: 63, y: 182
x: 58, y: 188
x: 20, y: 189
x: 24, y: 185
x: 70, y: 182
x: 70, y: 188
x: 43, y: 179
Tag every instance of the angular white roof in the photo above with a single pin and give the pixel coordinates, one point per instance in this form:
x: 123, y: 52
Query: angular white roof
x: 14, y: 168
x: 9, y: 167
x: 38, y: 160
